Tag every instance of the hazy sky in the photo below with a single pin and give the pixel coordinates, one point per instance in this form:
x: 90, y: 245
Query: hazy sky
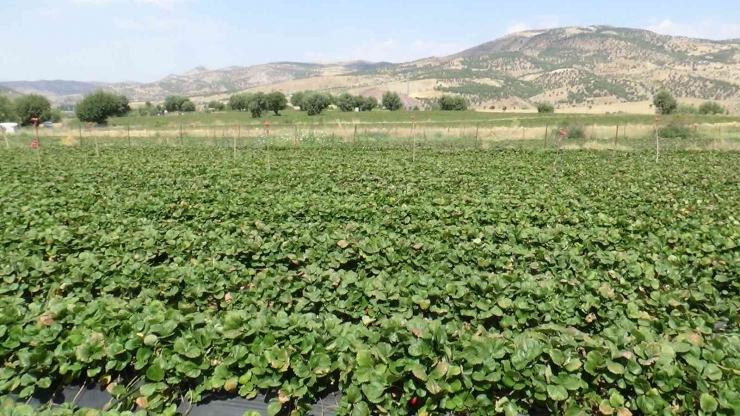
x: 145, y: 40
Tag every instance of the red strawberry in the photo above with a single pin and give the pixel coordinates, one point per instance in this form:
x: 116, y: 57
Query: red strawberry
x: 413, y: 401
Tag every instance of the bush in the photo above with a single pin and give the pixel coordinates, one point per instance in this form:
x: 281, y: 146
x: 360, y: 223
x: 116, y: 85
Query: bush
x: 297, y: 99
x: 545, y: 108
x: 392, y: 101
x: 100, y: 105
x: 56, y: 116
x: 572, y: 129
x: 347, y: 102
x: 686, y: 109
x: 675, y: 130
x: 665, y: 103
x: 450, y: 103
x: 315, y: 103
x: 711, y: 108
x: 367, y: 103
x: 187, y: 107
x: 216, y: 106
x: 30, y: 106
x: 174, y: 103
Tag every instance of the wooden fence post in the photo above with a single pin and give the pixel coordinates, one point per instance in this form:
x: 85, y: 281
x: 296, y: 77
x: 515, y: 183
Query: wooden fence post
x: 616, y: 136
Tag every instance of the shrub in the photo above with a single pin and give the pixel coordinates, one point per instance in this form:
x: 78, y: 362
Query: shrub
x: 297, y: 99
x: 686, y: 109
x: 545, y: 108
x: 572, y: 129
x: 368, y: 103
x: 315, y: 103
x: 675, y: 130
x: 392, y: 101
x: 56, y: 116
x: 174, y: 103
x: 450, y: 103
x: 216, y: 106
x: 665, y: 102
x: 187, y: 107
x: 347, y: 102
x: 711, y: 108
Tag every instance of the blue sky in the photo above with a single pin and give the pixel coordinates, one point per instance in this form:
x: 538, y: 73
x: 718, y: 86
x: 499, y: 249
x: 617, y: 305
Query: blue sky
x: 146, y: 40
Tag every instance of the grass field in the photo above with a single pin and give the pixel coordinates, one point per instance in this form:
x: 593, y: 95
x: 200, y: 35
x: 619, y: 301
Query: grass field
x: 470, y: 282
x: 378, y: 117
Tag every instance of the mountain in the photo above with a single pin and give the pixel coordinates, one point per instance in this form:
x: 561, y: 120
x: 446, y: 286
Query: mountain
x: 8, y: 92
x: 570, y: 66
x: 56, y: 90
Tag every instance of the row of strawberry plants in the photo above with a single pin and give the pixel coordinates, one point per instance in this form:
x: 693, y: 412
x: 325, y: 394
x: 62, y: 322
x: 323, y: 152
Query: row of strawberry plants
x: 471, y: 282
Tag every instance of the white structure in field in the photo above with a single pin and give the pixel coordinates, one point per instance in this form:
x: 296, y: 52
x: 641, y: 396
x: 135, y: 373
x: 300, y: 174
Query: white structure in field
x: 10, y: 128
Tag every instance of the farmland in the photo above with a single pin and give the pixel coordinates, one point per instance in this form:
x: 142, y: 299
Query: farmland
x: 470, y: 282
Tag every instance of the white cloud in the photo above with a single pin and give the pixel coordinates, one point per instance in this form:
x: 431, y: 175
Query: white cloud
x: 538, y: 22
x: 706, y: 28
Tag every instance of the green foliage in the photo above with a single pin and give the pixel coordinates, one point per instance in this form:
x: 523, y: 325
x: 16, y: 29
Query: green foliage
x: 30, y: 106
x: 676, y: 130
x: 187, y: 107
x: 296, y: 100
x: 257, y: 104
x: 711, y: 107
x: 7, y: 112
x: 392, y: 101
x: 216, y: 106
x: 686, y: 109
x: 346, y: 102
x: 240, y: 102
x: 316, y: 102
x: 174, y: 103
x: 665, y: 103
x: 276, y: 102
x: 545, y: 108
x: 100, y: 105
x: 501, y: 282
x: 150, y: 109
x: 510, y: 87
x: 366, y: 103
x: 56, y: 116
x: 573, y: 129
x: 450, y: 103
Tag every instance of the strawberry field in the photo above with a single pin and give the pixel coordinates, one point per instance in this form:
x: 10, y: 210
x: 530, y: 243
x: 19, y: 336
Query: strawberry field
x: 467, y: 283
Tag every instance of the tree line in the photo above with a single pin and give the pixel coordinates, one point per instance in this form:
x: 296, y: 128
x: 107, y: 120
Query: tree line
x: 26, y: 108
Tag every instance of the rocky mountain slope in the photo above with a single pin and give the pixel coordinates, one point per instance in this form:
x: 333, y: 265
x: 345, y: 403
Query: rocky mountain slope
x: 573, y: 66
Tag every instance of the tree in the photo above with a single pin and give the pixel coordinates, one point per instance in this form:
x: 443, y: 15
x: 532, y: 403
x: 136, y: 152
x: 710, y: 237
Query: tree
x: 545, y: 108
x: 665, y: 103
x: 450, y: 103
x: 711, y: 107
x: 315, y: 103
x: 392, y: 101
x: 100, y: 105
x: 367, y: 103
x: 187, y: 107
x: 297, y: 99
x: 174, y: 103
x: 276, y: 101
x: 347, y: 102
x: 240, y: 102
x: 7, y: 112
x: 257, y: 104
x: 30, y: 106
x: 56, y: 116
x: 216, y: 105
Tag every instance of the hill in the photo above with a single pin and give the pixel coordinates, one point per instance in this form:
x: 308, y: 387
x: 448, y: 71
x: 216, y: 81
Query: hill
x: 582, y: 67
